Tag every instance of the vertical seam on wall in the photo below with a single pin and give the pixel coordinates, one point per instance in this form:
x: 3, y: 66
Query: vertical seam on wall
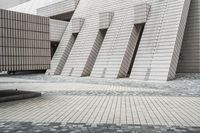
x: 112, y: 48
x: 154, y: 49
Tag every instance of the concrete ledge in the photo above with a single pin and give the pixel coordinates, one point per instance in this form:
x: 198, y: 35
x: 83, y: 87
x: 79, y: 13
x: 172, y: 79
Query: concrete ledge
x: 12, y: 95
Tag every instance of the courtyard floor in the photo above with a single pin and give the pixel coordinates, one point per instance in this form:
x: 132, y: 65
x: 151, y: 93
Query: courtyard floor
x: 99, y: 105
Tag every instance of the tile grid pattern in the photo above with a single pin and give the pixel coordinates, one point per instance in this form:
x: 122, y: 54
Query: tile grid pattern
x: 156, y: 59
x: 143, y: 110
x: 105, y: 19
x: 57, y: 28
x: 120, y: 35
x: 179, y: 41
x: 77, y: 24
x: 141, y: 12
x: 78, y: 63
x: 28, y: 49
x: 94, y: 53
x: 57, y: 8
x: 75, y: 64
x: 111, y: 59
x: 113, y: 67
x: 62, y: 52
x: 190, y: 55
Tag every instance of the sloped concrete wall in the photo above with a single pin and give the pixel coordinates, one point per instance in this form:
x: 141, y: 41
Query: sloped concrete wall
x: 116, y: 41
x: 62, y: 52
x: 57, y: 8
x: 158, y: 52
x: 159, y: 49
x: 57, y: 28
x: 190, y: 53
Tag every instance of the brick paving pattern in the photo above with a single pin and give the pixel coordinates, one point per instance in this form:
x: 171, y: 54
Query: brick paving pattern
x: 83, y: 107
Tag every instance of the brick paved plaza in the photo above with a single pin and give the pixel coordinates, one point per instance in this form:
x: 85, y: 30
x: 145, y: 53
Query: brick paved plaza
x: 87, y: 105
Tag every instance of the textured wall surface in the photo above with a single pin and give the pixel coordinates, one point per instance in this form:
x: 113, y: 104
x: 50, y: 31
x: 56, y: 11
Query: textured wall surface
x: 62, y: 52
x: 160, y: 45
x: 57, y: 28
x: 57, y: 8
x: 159, y: 49
x: 114, y: 45
x: 141, y: 12
x: 190, y: 52
x: 89, y: 52
x: 24, y: 42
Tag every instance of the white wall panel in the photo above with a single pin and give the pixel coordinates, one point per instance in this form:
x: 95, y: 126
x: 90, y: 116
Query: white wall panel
x: 190, y: 53
x: 165, y: 26
x: 57, y: 28
x: 105, y: 20
x: 62, y: 52
x: 77, y: 24
x: 24, y: 42
x: 118, y: 34
x: 57, y: 8
x: 141, y: 12
x: 158, y: 51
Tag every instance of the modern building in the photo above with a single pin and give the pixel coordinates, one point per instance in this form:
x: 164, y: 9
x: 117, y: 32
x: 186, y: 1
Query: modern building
x: 139, y: 39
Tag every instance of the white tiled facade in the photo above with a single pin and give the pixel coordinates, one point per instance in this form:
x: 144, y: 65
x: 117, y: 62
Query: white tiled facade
x: 24, y: 42
x: 57, y: 8
x: 57, y: 28
x: 143, y: 38
x: 160, y: 45
x: 141, y: 12
x: 190, y: 52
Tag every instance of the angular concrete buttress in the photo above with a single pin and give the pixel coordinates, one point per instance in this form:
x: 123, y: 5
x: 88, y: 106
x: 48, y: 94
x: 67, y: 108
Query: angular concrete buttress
x: 58, y: 8
x: 65, y: 46
x: 115, y: 56
x: 141, y: 12
x: 77, y: 24
x: 189, y: 61
x: 105, y: 19
x: 57, y: 28
x: 86, y: 48
x: 160, y: 46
